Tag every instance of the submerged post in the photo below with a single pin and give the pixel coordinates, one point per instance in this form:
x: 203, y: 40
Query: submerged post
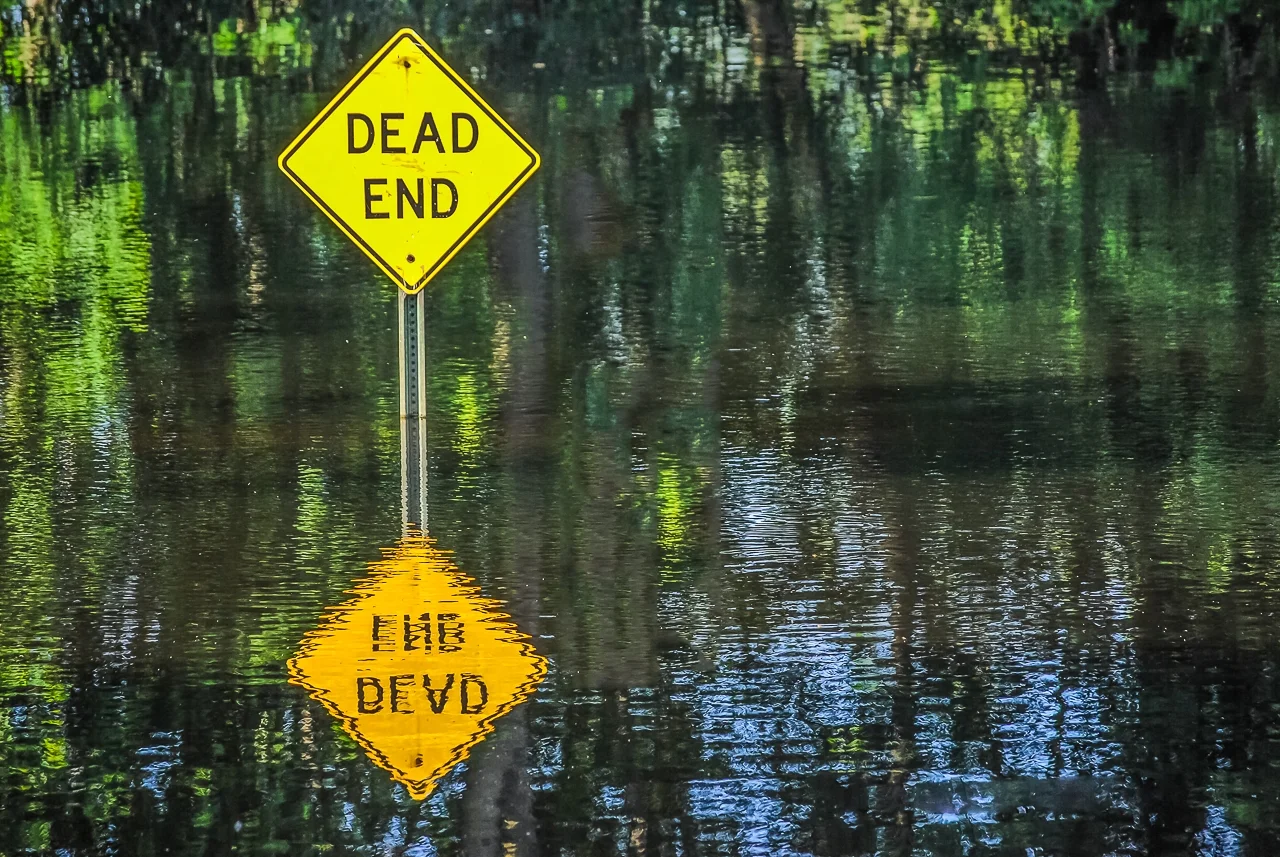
x: 379, y: 196
x: 413, y: 411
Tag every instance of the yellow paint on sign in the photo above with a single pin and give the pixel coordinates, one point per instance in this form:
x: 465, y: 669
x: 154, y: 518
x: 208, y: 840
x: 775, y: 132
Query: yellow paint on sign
x: 409, y: 161
x: 418, y: 665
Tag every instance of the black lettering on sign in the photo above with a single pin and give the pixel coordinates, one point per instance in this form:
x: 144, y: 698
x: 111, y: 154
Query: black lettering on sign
x: 352, y: 119
x: 469, y: 681
x: 416, y: 203
x: 388, y: 132
x: 381, y: 639
x: 365, y: 706
x: 436, y: 184
x: 437, y: 698
x: 361, y: 126
x: 475, y: 133
x: 427, y: 133
x: 417, y: 635
x: 370, y: 198
x: 397, y: 695
x: 472, y: 696
x: 450, y: 632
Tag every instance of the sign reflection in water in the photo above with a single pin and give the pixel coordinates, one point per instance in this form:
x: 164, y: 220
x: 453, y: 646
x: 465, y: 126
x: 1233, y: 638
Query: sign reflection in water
x: 418, y: 664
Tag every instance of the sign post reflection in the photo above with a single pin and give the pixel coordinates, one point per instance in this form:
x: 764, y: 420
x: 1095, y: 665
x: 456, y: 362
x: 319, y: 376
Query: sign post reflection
x: 417, y: 665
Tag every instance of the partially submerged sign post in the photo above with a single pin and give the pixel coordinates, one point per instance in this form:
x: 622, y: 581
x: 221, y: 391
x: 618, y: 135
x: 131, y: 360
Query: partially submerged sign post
x: 409, y: 162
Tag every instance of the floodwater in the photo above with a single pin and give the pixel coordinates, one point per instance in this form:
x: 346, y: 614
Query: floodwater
x: 839, y: 460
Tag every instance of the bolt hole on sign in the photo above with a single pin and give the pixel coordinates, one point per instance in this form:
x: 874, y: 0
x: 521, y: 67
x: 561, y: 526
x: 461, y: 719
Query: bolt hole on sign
x: 409, y: 161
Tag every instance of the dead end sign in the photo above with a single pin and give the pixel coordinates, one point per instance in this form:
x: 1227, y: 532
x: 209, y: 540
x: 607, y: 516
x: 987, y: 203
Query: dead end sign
x: 409, y: 161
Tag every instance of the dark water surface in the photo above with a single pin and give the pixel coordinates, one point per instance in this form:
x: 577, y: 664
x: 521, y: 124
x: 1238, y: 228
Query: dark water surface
x: 884, y: 459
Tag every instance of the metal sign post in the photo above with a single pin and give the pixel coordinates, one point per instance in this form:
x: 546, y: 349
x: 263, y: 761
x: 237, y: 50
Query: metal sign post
x: 409, y: 162
x: 413, y: 411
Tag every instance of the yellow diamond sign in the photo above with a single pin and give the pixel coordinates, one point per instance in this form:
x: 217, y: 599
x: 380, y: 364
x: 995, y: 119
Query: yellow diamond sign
x: 409, y: 161
x: 418, y: 665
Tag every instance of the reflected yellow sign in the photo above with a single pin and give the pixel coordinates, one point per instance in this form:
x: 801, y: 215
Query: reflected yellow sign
x: 417, y: 665
x: 409, y: 161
